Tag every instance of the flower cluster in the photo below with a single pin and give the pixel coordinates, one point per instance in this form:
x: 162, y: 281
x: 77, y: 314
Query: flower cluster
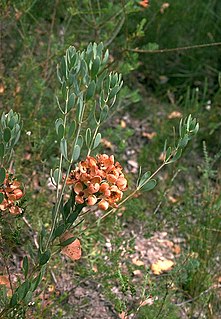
x: 98, y: 180
x: 12, y: 193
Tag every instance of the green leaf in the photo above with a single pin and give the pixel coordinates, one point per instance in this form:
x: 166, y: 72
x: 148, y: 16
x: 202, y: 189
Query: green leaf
x: 95, y: 67
x: 104, y: 113
x: 22, y: 290
x: 2, y: 175
x: 37, y: 280
x: 76, y: 153
x: 97, y: 140
x: 68, y: 241
x: 183, y: 141
x: 2, y: 150
x: 61, y: 131
x: 14, y: 300
x: 58, y: 122
x: 177, y: 155
x: 28, y: 297
x: 42, y: 236
x: 44, y: 258
x: 25, y: 266
x: 152, y: 46
x: 79, y: 109
x: 80, y: 141
x: 57, y: 175
x: 68, y: 207
x: 74, y: 215
x: 88, y: 137
x: 71, y: 102
x: 114, y: 92
x: 71, y: 129
x: 149, y: 185
x: 63, y: 147
x: 1, y: 197
x: 144, y: 178
x: 59, y: 231
x: 7, y: 134
x: 168, y: 152
x: 90, y: 90
x: 106, y: 56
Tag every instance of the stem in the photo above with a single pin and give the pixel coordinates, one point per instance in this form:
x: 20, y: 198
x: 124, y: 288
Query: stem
x: 92, y: 141
x: 133, y: 193
x: 190, y: 47
x: 59, y: 196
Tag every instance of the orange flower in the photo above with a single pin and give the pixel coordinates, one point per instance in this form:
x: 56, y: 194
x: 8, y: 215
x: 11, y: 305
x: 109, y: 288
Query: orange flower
x: 91, y: 200
x: 98, y: 180
x: 144, y: 3
x: 103, y: 204
x: 115, y: 195
x: 122, y: 183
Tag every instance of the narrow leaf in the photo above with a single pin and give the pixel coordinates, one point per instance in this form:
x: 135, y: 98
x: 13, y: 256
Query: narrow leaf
x: 2, y: 175
x: 90, y: 90
x: 71, y: 102
x: 71, y: 129
x: 97, y: 140
x: 59, y: 231
x: 67, y: 242
x: 76, y: 153
x: 57, y: 176
x: 1, y: 197
x: 44, y: 258
x: 2, y: 150
x: 95, y: 67
x: 149, y: 185
x: 25, y: 266
x: 144, y: 178
x: 7, y: 134
x: 63, y: 147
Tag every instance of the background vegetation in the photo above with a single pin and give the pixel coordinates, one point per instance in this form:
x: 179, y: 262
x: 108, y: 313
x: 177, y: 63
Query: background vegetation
x: 186, y: 204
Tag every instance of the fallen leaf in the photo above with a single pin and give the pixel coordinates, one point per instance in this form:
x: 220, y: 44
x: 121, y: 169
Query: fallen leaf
x: 51, y: 288
x: 137, y: 262
x: 149, y: 301
x: 172, y: 199
x: 177, y: 249
x: 4, y: 281
x: 2, y: 88
x: 94, y: 268
x: 73, y: 251
x: 107, y: 144
x: 164, y: 6
x: 174, y: 115
x: 161, y: 266
x: 122, y: 315
x: 150, y: 136
x: 123, y: 124
x: 137, y: 272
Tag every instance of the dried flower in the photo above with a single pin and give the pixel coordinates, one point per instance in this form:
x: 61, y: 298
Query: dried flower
x: 98, y: 180
x: 12, y: 193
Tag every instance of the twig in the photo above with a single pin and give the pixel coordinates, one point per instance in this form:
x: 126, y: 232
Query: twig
x: 200, y: 295
x: 190, y: 47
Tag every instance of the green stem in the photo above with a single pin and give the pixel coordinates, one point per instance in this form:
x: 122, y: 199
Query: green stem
x: 59, y: 196
x: 92, y: 141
